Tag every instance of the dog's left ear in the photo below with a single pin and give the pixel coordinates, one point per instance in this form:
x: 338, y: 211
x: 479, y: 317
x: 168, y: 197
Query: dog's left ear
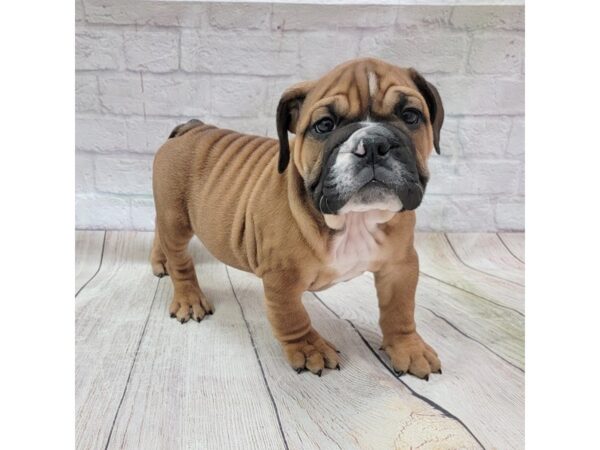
x: 434, y: 103
x: 288, y: 112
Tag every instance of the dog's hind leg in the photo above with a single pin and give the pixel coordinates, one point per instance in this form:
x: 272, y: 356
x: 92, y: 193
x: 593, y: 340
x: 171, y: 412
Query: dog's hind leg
x: 158, y: 260
x: 188, y: 299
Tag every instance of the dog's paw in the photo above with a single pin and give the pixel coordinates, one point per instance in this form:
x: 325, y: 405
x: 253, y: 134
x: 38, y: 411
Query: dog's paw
x: 158, y: 269
x: 411, y: 354
x: 312, y: 353
x: 191, y: 306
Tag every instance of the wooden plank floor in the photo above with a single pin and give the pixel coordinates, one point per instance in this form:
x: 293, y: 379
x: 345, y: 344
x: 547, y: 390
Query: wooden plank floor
x: 144, y: 381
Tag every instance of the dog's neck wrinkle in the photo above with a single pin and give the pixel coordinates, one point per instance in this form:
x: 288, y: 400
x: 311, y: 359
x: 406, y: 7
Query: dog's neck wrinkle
x: 356, y: 241
x: 357, y: 245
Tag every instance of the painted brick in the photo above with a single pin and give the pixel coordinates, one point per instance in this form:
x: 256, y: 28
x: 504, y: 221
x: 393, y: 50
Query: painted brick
x: 98, y: 211
x: 86, y: 93
x: 135, y: 12
x: 516, y: 141
x: 411, y: 16
x: 163, y: 95
x: 322, y: 51
x: 485, y: 17
x: 474, y: 177
x: 131, y: 91
x: 239, y: 15
x: 236, y: 97
x: 484, y: 136
x: 510, y: 214
x: 230, y: 53
x: 79, y: 12
x: 422, y: 50
x: 456, y: 213
x: 84, y: 172
x: 142, y: 213
x: 122, y: 175
x: 148, y: 135
x: 260, y: 126
x: 121, y: 93
x: 496, y: 54
x: 98, y: 50
x: 100, y: 134
x: 155, y: 51
x: 467, y: 95
x: 449, y: 143
x: 177, y: 95
x: 327, y: 17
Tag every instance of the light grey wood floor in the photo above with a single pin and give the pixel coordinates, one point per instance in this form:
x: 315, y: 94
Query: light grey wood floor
x: 144, y: 381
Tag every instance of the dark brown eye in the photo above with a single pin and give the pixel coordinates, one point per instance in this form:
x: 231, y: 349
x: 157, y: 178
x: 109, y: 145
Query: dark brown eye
x: 325, y: 125
x: 411, y: 116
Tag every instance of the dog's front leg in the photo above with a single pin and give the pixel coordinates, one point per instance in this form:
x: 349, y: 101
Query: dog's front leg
x: 396, y: 285
x: 302, y: 345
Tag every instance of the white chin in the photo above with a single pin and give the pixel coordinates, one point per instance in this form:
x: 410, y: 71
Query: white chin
x: 392, y: 203
x: 375, y: 212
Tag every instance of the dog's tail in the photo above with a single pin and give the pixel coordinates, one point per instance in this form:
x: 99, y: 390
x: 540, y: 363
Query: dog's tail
x: 180, y: 130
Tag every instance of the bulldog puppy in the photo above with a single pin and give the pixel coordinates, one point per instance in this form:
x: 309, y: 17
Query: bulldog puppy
x: 335, y: 201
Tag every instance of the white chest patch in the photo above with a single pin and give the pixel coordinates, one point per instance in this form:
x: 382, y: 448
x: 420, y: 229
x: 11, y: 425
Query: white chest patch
x: 357, y: 247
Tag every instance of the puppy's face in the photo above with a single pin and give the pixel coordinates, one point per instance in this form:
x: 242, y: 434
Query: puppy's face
x: 364, y: 133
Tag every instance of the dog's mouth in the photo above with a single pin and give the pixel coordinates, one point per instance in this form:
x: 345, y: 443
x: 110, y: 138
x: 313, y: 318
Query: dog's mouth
x: 373, y: 194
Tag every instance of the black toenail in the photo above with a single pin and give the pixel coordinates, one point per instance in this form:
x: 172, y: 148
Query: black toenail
x: 299, y: 370
x: 172, y: 315
x: 320, y: 372
x: 399, y: 372
x: 337, y: 366
x: 426, y: 377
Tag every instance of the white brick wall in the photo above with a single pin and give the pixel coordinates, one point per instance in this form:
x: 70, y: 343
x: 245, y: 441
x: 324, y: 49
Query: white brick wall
x: 144, y: 67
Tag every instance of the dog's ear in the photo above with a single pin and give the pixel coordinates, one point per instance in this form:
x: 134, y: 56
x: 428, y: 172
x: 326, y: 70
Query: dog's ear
x: 288, y: 112
x: 434, y: 103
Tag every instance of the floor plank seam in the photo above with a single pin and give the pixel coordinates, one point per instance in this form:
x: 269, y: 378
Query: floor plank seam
x: 500, y: 305
x: 99, y: 266
x: 471, y: 338
x: 262, y: 370
x: 132, y: 365
x: 508, y: 248
x: 430, y: 402
x: 475, y: 268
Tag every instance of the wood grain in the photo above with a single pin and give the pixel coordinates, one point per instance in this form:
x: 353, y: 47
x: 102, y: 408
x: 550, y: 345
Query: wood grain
x: 361, y: 406
x: 111, y: 313
x: 437, y: 259
x: 487, y: 253
x: 88, y: 255
x: 515, y: 242
x: 197, y: 385
x: 495, y: 327
x: 145, y: 381
x: 477, y: 386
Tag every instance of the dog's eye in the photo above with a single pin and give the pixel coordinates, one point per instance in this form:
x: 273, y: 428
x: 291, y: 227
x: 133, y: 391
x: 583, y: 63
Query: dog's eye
x: 325, y: 125
x: 411, y: 116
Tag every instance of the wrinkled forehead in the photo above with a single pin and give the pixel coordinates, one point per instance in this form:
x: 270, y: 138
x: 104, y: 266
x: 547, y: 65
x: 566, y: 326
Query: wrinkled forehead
x: 362, y: 90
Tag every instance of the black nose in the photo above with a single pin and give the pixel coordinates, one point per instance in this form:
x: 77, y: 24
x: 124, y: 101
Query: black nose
x: 372, y: 147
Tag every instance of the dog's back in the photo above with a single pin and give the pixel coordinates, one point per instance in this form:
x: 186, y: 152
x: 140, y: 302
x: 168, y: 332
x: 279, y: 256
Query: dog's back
x: 224, y: 171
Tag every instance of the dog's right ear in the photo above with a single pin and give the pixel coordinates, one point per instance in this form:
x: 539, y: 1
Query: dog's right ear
x: 434, y: 104
x: 288, y: 112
